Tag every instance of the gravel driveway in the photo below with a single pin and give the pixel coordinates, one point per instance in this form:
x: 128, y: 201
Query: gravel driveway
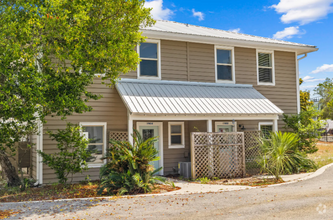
x: 309, y: 199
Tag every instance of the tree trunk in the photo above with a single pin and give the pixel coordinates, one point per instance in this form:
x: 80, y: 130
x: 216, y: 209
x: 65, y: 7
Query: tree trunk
x: 9, y: 170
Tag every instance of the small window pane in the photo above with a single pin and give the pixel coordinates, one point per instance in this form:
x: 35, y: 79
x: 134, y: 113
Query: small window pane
x: 266, y: 129
x: 148, y: 68
x: 265, y: 75
x: 147, y: 133
x: 95, y: 134
x: 96, y: 154
x: 176, y: 129
x: 148, y: 50
x: 265, y: 59
x: 223, y: 56
x: 176, y: 139
x: 224, y: 72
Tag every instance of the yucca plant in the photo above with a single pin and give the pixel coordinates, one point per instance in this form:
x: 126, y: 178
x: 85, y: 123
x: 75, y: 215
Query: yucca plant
x: 128, y: 169
x: 280, y: 154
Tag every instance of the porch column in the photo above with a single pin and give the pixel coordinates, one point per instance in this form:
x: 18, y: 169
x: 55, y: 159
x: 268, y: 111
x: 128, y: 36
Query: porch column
x: 275, y: 125
x: 130, y: 128
x: 209, y: 125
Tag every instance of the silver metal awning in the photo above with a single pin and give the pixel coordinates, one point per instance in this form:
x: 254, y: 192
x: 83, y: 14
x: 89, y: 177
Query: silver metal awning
x: 191, y: 98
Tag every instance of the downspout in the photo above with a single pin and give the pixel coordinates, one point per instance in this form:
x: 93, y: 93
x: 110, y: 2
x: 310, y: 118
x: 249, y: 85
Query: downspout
x: 297, y: 82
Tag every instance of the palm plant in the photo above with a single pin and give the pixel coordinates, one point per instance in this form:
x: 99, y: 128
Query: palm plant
x: 280, y: 154
x: 128, y: 169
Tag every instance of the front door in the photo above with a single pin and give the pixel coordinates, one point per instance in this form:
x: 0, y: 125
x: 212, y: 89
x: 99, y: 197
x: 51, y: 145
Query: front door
x: 149, y: 130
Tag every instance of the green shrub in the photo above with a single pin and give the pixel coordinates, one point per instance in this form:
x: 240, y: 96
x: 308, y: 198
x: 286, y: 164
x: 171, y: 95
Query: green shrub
x: 128, y: 170
x: 72, y: 155
x: 280, y: 155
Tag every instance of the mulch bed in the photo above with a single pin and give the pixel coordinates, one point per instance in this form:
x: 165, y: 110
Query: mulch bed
x: 7, y: 213
x: 53, y: 192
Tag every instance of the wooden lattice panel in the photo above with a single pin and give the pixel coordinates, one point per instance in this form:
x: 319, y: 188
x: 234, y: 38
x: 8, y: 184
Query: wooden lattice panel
x: 252, y: 151
x: 118, y: 136
x: 217, y: 155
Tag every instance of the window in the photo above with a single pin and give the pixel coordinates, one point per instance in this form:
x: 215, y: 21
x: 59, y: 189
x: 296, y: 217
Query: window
x: 176, y: 135
x: 224, y: 68
x: 266, y: 68
x: 95, y: 132
x: 266, y: 128
x: 149, y: 67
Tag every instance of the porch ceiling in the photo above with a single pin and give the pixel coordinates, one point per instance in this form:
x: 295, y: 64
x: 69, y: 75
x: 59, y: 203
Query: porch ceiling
x: 174, y: 97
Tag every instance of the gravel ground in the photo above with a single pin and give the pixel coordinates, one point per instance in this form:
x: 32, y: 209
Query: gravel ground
x: 309, y: 199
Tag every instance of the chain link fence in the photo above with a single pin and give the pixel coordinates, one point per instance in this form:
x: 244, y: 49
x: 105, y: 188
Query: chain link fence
x: 219, y: 155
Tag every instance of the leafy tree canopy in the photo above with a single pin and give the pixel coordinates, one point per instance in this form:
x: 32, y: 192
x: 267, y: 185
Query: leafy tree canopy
x: 325, y: 90
x: 305, y: 98
x: 49, y: 54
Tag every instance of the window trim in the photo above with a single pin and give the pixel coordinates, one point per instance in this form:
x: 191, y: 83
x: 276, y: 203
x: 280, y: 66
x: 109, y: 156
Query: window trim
x: 104, y: 124
x: 226, y: 123
x: 265, y: 123
x: 158, y: 77
x: 273, y: 67
x: 233, y: 75
x: 183, y: 135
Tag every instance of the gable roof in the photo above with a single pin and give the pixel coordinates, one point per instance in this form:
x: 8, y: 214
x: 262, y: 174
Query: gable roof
x: 193, y: 33
x: 191, y: 98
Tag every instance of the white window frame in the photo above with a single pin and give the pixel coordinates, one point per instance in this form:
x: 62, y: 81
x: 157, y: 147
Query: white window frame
x: 217, y: 47
x: 91, y: 124
x: 265, y: 123
x: 273, y: 67
x: 226, y: 124
x: 182, y: 145
x: 158, y: 77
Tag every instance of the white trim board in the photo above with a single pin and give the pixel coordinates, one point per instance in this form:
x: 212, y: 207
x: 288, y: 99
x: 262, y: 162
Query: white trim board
x: 160, y: 139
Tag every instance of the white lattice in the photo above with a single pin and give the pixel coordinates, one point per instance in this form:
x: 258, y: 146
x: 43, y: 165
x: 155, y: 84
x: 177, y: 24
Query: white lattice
x: 217, y: 155
x: 252, y: 151
x: 118, y: 136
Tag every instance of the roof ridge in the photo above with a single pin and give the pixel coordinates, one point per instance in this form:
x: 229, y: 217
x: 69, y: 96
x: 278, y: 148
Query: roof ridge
x: 241, y: 34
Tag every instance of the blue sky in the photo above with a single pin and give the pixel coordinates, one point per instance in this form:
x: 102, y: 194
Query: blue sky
x: 301, y: 21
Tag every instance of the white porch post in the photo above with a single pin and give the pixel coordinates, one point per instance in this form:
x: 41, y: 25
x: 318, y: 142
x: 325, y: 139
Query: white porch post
x: 130, y: 128
x: 209, y: 125
x: 275, y: 125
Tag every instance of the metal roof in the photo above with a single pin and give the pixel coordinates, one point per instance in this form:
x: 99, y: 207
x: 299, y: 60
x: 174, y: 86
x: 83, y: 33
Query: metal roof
x: 174, y: 97
x: 181, y: 28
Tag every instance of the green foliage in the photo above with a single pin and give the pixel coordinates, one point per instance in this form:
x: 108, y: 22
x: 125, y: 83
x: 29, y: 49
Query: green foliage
x: 280, y: 155
x: 72, y: 154
x: 305, y: 98
x: 325, y: 90
x: 50, y: 52
x: 128, y: 169
x: 204, y: 180
x: 307, y: 129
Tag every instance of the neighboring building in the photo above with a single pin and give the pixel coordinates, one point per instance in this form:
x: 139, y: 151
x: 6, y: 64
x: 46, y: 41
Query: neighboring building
x: 329, y: 127
x: 190, y: 78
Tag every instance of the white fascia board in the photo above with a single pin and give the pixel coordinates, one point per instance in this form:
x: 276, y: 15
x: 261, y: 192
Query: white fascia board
x: 227, y: 42
x: 162, y: 117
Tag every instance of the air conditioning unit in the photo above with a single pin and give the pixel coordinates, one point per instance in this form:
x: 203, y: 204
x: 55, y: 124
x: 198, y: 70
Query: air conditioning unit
x: 184, y: 169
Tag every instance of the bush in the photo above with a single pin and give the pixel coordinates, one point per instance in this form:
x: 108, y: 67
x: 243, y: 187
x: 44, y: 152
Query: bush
x: 72, y: 155
x: 307, y: 129
x: 280, y: 155
x: 128, y: 170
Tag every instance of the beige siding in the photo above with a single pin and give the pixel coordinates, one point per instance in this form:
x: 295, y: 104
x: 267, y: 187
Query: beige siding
x: 109, y: 109
x: 202, y: 62
x: 283, y: 94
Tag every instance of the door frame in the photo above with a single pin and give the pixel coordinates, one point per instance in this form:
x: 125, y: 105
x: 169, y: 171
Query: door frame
x: 226, y: 124
x: 160, y: 139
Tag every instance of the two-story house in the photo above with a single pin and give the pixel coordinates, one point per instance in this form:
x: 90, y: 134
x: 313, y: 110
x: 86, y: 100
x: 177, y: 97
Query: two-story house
x: 190, y: 78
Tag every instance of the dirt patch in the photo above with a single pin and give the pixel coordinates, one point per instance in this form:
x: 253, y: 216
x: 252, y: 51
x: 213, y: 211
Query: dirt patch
x: 324, y: 155
x: 7, y: 213
x: 53, y: 192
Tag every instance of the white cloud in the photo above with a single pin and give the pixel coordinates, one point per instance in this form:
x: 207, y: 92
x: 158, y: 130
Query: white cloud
x: 324, y: 68
x: 198, y: 14
x: 311, y: 79
x: 158, y: 12
x: 236, y: 30
x: 287, y: 33
x: 303, y: 11
x: 307, y: 87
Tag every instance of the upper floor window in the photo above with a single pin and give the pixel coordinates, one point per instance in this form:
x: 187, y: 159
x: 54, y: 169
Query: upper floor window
x: 224, y: 65
x: 149, y: 67
x: 266, y: 75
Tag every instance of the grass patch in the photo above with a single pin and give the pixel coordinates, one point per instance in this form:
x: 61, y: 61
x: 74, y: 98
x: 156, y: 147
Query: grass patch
x: 324, y: 155
x: 59, y: 191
